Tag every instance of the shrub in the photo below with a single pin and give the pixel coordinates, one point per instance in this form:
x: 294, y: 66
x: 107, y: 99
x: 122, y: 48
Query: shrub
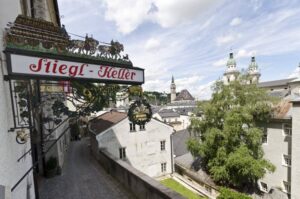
x: 51, y: 163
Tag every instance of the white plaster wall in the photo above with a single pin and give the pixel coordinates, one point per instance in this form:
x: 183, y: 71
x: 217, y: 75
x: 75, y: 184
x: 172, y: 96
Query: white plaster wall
x: 11, y: 170
x: 185, y: 121
x: 295, y: 184
x: 277, y: 145
x: 142, y: 147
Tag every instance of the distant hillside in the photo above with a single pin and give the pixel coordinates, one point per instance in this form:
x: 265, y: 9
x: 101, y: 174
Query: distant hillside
x: 157, y: 98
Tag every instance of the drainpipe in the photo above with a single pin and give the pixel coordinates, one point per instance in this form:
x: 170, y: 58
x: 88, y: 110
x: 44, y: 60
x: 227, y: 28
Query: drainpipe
x: 172, y: 156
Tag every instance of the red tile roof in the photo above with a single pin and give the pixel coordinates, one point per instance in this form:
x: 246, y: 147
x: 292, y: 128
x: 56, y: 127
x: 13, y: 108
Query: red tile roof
x: 106, y: 120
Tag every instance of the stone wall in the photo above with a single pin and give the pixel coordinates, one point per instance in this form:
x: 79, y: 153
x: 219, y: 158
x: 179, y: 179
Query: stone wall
x: 133, y: 180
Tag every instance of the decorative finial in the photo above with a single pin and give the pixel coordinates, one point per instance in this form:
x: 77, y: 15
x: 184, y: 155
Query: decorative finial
x: 253, y: 59
x: 231, y: 55
x: 172, y: 79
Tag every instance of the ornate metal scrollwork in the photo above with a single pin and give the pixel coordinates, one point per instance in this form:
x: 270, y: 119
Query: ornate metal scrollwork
x: 43, y: 36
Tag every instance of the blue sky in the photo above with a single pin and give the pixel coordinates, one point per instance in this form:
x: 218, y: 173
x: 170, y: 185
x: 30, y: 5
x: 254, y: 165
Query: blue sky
x: 191, y: 39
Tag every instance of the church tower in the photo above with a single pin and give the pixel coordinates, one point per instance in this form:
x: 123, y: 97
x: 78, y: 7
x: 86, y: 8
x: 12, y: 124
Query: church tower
x: 231, y: 73
x: 173, y: 90
x: 253, y: 72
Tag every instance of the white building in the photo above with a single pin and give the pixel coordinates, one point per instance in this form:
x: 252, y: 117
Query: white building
x: 281, y: 137
x: 173, y: 117
x: 146, y: 148
x: 17, y: 159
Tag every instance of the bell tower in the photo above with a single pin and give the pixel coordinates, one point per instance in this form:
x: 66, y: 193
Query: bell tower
x: 231, y: 73
x: 253, y: 72
x: 173, y: 90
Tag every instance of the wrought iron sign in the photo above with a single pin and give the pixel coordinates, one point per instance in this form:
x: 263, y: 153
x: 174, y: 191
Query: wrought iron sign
x: 140, y: 112
x: 38, y: 49
x: 43, y: 36
x: 41, y: 67
x: 20, y: 105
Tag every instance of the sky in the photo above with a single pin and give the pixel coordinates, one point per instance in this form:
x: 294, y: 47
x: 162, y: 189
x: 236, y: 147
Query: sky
x: 192, y: 39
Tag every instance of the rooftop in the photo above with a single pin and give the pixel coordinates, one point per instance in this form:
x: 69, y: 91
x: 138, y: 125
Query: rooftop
x: 165, y: 113
x: 283, y: 109
x: 179, y: 142
x: 106, y: 120
x: 281, y: 82
x: 184, y: 95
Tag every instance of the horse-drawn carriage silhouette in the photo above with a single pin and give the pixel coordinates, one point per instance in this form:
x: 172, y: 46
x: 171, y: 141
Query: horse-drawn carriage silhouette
x: 91, y: 46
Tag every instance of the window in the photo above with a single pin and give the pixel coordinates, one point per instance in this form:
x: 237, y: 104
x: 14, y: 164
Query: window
x: 286, y: 187
x: 142, y: 127
x: 132, y: 127
x: 163, y: 145
x: 163, y: 167
x: 265, y: 136
x: 287, y: 129
x: 263, y: 186
x: 287, y: 160
x: 122, y: 152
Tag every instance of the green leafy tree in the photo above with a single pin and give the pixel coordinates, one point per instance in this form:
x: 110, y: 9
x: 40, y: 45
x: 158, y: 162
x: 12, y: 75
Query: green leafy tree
x: 230, y: 134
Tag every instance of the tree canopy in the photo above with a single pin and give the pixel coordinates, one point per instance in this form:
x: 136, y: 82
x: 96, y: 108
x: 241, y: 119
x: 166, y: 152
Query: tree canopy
x: 230, y: 137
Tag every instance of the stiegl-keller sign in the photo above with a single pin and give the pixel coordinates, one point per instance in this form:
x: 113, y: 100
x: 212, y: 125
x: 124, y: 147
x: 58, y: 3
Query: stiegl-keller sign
x: 29, y: 66
x: 140, y: 112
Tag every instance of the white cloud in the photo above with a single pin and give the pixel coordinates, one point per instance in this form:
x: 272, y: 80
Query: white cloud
x: 204, y: 91
x: 187, y: 82
x: 224, y: 39
x: 152, y: 44
x: 229, y: 38
x: 173, y: 12
x: 220, y: 62
x: 257, y: 4
x: 127, y: 14
x: 244, y: 53
x: 295, y: 73
x: 236, y: 21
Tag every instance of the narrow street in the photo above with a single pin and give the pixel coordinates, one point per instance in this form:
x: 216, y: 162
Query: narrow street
x: 82, y: 178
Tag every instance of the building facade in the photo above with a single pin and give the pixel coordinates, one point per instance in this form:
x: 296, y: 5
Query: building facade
x: 280, y: 134
x: 147, y: 148
x: 17, y: 159
x: 280, y: 137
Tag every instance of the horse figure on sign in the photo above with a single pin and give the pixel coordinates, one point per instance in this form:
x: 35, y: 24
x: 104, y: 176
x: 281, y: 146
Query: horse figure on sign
x: 88, y: 46
x: 111, y: 51
x: 115, y: 49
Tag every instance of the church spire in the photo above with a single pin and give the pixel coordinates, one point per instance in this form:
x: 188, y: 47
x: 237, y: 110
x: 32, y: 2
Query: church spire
x: 173, y: 90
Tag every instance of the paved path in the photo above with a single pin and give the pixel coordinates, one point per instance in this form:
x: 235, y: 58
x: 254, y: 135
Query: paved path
x: 82, y: 178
